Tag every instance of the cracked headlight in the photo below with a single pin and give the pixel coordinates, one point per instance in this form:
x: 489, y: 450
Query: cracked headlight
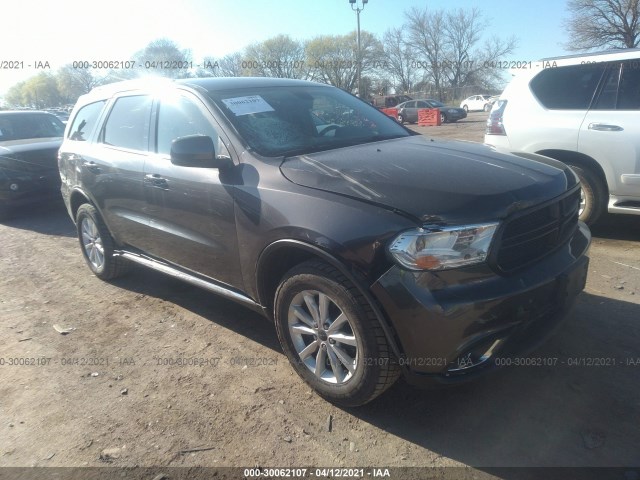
x: 441, y: 249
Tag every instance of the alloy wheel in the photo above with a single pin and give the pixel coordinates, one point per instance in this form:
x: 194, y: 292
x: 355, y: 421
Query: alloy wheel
x: 92, y: 243
x: 323, y: 337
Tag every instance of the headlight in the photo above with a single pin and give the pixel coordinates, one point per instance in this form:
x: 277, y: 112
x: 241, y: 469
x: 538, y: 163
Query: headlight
x: 444, y: 248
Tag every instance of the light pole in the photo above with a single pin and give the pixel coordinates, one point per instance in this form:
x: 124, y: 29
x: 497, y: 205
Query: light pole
x: 356, y: 8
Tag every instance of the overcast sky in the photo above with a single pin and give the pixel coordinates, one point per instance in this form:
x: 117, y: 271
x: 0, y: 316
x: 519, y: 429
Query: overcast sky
x: 64, y: 31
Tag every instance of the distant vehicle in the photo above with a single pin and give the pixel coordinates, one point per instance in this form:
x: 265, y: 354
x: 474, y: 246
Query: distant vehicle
x: 408, y: 111
x: 389, y: 101
x: 476, y: 103
x: 29, y: 143
x: 583, y: 112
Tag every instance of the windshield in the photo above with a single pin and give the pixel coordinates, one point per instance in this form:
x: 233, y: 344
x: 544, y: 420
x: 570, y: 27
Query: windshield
x: 277, y: 121
x: 16, y: 126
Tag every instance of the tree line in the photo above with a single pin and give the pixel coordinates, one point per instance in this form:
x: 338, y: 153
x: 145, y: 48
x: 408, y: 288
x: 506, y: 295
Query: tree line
x: 442, y: 52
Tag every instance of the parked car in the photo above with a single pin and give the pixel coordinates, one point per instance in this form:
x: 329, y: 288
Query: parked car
x: 582, y: 110
x: 29, y: 142
x: 375, y: 251
x: 408, y: 111
x: 476, y: 103
x: 388, y: 101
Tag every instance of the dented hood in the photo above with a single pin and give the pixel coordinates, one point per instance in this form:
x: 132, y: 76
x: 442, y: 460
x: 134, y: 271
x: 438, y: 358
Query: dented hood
x: 432, y: 180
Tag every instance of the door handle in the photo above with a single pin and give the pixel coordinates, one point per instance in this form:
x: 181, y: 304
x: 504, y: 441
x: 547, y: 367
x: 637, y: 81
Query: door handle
x: 603, y: 127
x: 156, y: 180
x: 91, y: 166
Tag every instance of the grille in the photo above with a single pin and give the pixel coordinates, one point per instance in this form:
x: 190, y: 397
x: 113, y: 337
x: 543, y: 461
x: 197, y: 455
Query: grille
x: 532, y: 235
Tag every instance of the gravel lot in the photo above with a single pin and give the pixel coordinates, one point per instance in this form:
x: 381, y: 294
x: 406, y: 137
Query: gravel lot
x: 113, y: 392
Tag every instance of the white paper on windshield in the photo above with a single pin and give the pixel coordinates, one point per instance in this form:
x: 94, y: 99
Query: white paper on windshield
x: 247, y: 105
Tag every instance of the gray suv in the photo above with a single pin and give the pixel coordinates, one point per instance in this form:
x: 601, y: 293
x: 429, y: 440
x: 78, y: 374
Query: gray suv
x: 375, y: 251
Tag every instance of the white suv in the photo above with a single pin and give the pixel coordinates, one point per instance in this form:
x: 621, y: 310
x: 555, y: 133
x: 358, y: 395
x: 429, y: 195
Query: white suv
x: 584, y: 111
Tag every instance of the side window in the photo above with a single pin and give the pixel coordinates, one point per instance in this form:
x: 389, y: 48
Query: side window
x: 567, y: 88
x: 179, y: 117
x: 84, y: 121
x: 128, y: 123
x: 422, y: 105
x: 607, y: 98
x: 629, y: 93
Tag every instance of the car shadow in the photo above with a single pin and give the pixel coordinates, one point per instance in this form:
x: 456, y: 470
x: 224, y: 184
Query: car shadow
x: 617, y: 227
x: 49, y: 218
x: 215, y: 308
x: 579, y: 409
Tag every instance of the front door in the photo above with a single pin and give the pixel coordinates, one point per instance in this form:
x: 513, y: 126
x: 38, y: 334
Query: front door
x: 191, y: 209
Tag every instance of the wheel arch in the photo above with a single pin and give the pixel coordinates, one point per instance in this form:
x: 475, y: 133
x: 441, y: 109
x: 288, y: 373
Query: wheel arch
x: 76, y: 199
x: 282, y: 255
x: 585, y: 161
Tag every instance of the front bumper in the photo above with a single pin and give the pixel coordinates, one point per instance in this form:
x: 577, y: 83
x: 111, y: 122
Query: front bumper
x: 453, y: 325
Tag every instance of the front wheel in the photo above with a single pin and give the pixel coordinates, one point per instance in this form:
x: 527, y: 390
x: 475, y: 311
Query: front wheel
x: 593, y: 199
x: 97, y: 245
x: 331, y: 337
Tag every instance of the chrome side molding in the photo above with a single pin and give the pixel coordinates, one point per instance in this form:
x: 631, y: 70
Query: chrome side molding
x: 185, y: 277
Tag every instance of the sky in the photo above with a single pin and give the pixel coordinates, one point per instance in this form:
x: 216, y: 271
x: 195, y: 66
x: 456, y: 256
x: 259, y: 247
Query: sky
x: 71, y: 30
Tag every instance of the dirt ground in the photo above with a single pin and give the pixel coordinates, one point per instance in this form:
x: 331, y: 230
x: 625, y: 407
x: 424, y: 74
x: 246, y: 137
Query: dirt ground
x: 154, y: 368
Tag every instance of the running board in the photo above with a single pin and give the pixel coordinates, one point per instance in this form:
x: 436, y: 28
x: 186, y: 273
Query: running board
x: 625, y: 207
x: 193, y: 280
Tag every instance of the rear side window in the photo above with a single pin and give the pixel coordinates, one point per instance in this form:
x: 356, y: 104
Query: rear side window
x: 128, y: 123
x: 567, y: 88
x: 629, y: 92
x: 84, y: 121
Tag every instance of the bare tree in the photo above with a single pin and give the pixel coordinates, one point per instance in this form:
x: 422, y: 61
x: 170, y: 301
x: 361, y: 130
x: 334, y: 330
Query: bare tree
x: 279, y: 57
x: 426, y: 31
x: 73, y: 82
x: 399, y: 56
x: 334, y: 59
x: 164, y: 57
x: 227, y: 66
x: 601, y: 24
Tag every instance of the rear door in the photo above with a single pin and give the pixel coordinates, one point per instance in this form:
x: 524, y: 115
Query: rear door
x: 191, y: 209
x: 111, y: 169
x: 610, y: 132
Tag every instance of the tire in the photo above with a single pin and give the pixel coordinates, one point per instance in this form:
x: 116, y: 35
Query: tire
x: 351, y: 335
x: 97, y: 245
x: 400, y: 119
x: 487, y: 107
x: 5, y: 214
x: 466, y: 108
x: 594, y: 194
x: 443, y: 118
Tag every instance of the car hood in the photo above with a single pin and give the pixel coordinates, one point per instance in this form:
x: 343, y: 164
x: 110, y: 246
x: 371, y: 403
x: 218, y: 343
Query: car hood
x: 432, y: 180
x: 29, y: 156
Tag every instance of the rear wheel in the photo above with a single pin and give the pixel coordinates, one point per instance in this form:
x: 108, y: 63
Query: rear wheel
x: 443, y: 118
x: 487, y: 107
x: 466, y: 108
x: 97, y: 245
x: 400, y: 119
x: 331, y: 336
x: 593, y: 199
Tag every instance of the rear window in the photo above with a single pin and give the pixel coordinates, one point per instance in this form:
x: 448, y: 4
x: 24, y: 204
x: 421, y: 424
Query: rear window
x: 29, y: 125
x: 567, y: 88
x: 84, y: 121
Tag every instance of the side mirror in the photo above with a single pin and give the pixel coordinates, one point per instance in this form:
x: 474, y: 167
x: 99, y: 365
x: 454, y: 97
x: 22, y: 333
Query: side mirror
x: 196, y: 151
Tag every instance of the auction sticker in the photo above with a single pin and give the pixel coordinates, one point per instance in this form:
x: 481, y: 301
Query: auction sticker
x: 247, y: 105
